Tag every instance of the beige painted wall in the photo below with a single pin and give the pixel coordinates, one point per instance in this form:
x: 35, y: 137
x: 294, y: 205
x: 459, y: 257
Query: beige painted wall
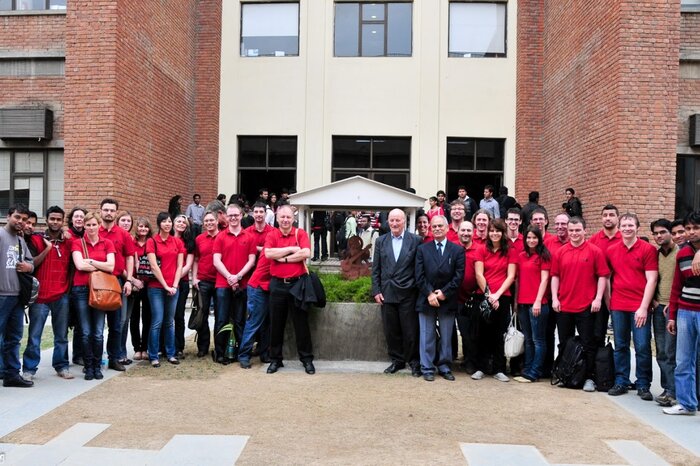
x: 314, y: 96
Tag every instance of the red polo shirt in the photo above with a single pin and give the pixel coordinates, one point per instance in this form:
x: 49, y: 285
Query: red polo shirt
x: 123, y: 245
x: 628, y: 267
x: 204, y: 256
x: 578, y: 269
x: 468, y: 286
x: 496, y: 266
x: 261, y: 275
x: 603, y: 242
x: 167, y: 251
x: 530, y: 276
x: 278, y: 240
x: 478, y: 241
x: 452, y: 235
x: 98, y: 252
x: 53, y: 272
x: 518, y: 244
x: 553, y: 244
x: 259, y: 236
x: 234, y: 250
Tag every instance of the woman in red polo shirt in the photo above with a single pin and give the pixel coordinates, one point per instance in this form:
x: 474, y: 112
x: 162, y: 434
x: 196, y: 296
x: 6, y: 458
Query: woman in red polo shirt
x: 495, y: 266
x: 183, y: 230
x: 140, y: 322
x: 166, y: 256
x: 100, y: 256
x: 533, y: 305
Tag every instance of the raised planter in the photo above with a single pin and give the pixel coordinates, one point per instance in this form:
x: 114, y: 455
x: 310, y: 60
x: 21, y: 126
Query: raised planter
x: 343, y: 331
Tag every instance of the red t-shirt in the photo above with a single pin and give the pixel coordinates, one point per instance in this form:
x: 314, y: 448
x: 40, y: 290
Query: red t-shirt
x: 478, y: 241
x: 278, y: 240
x: 167, y: 251
x: 603, y: 242
x: 53, y: 272
x: 261, y: 274
x: 628, y: 267
x: 452, y: 235
x: 234, y: 250
x: 123, y: 245
x: 496, y: 267
x: 204, y: 256
x: 578, y: 269
x: 468, y: 286
x: 530, y: 276
x: 98, y: 252
x: 259, y: 236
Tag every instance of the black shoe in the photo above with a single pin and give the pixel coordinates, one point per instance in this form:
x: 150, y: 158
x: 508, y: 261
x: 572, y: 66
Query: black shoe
x: 447, y: 376
x: 324, y: 258
x: 415, y: 371
x: 98, y: 375
x: 274, y: 367
x: 309, y: 367
x: 201, y: 353
x: 89, y: 374
x: 394, y: 367
x: 223, y: 361
x: 117, y: 366
x: 314, y: 259
x: 125, y: 362
x: 180, y: 355
x: 18, y: 382
x: 428, y: 377
x: 617, y: 390
x: 645, y: 394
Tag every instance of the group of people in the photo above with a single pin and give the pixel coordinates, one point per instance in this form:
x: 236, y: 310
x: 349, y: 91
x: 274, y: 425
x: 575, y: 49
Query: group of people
x: 460, y: 258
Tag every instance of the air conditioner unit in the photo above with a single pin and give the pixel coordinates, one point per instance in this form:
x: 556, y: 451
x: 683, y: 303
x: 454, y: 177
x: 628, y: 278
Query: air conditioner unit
x: 26, y: 123
x: 695, y: 130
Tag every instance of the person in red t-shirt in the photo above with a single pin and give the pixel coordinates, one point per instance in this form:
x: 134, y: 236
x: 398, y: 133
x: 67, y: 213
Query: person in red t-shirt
x: 434, y: 209
x: 533, y: 306
x: 204, y: 278
x: 287, y: 248
x: 561, y: 236
x: 258, y: 305
x: 481, y: 220
x: 495, y: 265
x: 634, y: 264
x: 579, y: 276
x: 457, y: 216
x: 467, y: 318
x: 166, y: 254
x: 234, y: 256
x: 423, y: 228
x: 140, y: 313
x: 513, y: 221
x: 100, y: 256
x: 182, y: 229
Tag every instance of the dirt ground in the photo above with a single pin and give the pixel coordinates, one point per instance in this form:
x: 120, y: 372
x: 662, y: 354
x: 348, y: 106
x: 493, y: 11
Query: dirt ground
x: 340, y: 418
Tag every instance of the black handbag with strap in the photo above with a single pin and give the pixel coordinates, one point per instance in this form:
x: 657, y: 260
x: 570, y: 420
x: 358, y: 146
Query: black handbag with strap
x: 28, y: 283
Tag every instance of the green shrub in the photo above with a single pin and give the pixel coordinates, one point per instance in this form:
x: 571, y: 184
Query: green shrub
x: 339, y: 290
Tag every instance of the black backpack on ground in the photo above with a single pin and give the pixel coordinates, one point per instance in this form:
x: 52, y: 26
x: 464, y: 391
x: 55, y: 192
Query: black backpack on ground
x: 604, y: 368
x: 570, y: 366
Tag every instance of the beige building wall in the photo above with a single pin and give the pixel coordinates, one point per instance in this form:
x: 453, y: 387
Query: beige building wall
x: 315, y: 96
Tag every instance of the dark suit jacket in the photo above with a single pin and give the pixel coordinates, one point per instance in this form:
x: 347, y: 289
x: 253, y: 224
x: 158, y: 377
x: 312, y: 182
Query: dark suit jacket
x: 435, y: 272
x: 394, y: 279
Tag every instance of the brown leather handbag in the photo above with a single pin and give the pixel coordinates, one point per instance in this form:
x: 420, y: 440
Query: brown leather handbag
x: 105, y: 290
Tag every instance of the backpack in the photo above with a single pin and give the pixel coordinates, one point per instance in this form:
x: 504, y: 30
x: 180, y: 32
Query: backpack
x: 570, y: 366
x: 604, y: 368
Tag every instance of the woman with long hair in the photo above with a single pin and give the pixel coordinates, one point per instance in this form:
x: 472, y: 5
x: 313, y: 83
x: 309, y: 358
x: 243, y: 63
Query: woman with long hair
x: 495, y: 267
x: 125, y: 220
x: 204, y: 278
x: 165, y: 256
x: 174, y: 207
x: 533, y: 307
x: 89, y: 254
x: 183, y: 231
x: 140, y: 321
x: 76, y: 221
x: 76, y: 225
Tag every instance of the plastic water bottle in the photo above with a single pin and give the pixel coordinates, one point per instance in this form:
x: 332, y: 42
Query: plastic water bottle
x: 105, y: 360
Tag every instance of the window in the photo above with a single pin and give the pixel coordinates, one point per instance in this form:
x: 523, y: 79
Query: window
x: 269, y: 29
x: 383, y: 159
x: 373, y: 29
x: 31, y: 177
x: 477, y: 30
x: 474, y: 163
x: 12, y: 67
x: 690, y: 5
x: 266, y: 161
x: 26, y: 5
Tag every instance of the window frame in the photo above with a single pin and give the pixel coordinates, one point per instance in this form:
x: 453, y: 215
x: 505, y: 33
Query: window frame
x: 472, y: 54
x: 47, y: 7
x: 291, y: 2
x: 14, y: 175
x: 475, y: 163
x: 371, y: 171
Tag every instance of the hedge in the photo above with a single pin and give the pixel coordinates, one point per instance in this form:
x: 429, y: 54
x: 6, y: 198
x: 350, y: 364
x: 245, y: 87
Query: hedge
x: 339, y: 290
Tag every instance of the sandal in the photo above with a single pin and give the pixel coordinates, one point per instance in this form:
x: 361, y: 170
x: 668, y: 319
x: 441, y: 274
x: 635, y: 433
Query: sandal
x: 155, y: 363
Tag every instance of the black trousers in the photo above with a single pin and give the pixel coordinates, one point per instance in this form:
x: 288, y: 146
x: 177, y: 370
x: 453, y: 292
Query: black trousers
x: 206, y: 296
x: 490, y: 338
x: 584, y: 322
x: 400, y: 322
x: 600, y: 327
x: 468, y: 324
x: 140, y: 312
x: 549, y: 338
x: 281, y: 305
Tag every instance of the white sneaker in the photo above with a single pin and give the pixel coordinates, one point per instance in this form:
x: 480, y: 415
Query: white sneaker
x: 478, y: 375
x: 65, y: 374
x: 678, y: 409
x: 589, y: 386
x: 522, y: 379
x: 28, y: 376
x: 501, y: 377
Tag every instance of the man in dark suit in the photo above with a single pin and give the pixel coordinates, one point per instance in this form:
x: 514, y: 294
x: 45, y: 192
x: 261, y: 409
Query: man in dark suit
x: 394, y: 287
x: 439, y: 273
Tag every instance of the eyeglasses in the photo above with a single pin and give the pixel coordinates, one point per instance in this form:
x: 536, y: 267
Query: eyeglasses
x: 233, y: 215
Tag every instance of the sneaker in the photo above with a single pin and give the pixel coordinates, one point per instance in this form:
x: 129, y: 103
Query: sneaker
x: 65, y: 374
x: 665, y: 399
x: 501, y: 377
x: 98, y: 374
x: 617, y: 390
x: 478, y: 375
x: 589, y: 386
x: 678, y: 410
x: 28, y: 376
x: 522, y: 379
x: 645, y: 394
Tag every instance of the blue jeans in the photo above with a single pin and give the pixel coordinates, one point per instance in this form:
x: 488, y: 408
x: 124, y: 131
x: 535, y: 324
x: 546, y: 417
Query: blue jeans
x: 59, y: 323
x: 11, y: 328
x: 92, y: 325
x: 688, y: 346
x: 427, y: 344
x: 162, y: 315
x: 665, y: 350
x: 535, y: 331
x: 258, y: 302
x: 623, y: 326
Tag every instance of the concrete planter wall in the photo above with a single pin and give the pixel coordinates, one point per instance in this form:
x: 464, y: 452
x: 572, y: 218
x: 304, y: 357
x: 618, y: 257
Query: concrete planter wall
x: 343, y: 331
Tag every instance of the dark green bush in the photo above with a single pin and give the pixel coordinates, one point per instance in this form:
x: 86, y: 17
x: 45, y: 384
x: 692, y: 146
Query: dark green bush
x: 339, y: 290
